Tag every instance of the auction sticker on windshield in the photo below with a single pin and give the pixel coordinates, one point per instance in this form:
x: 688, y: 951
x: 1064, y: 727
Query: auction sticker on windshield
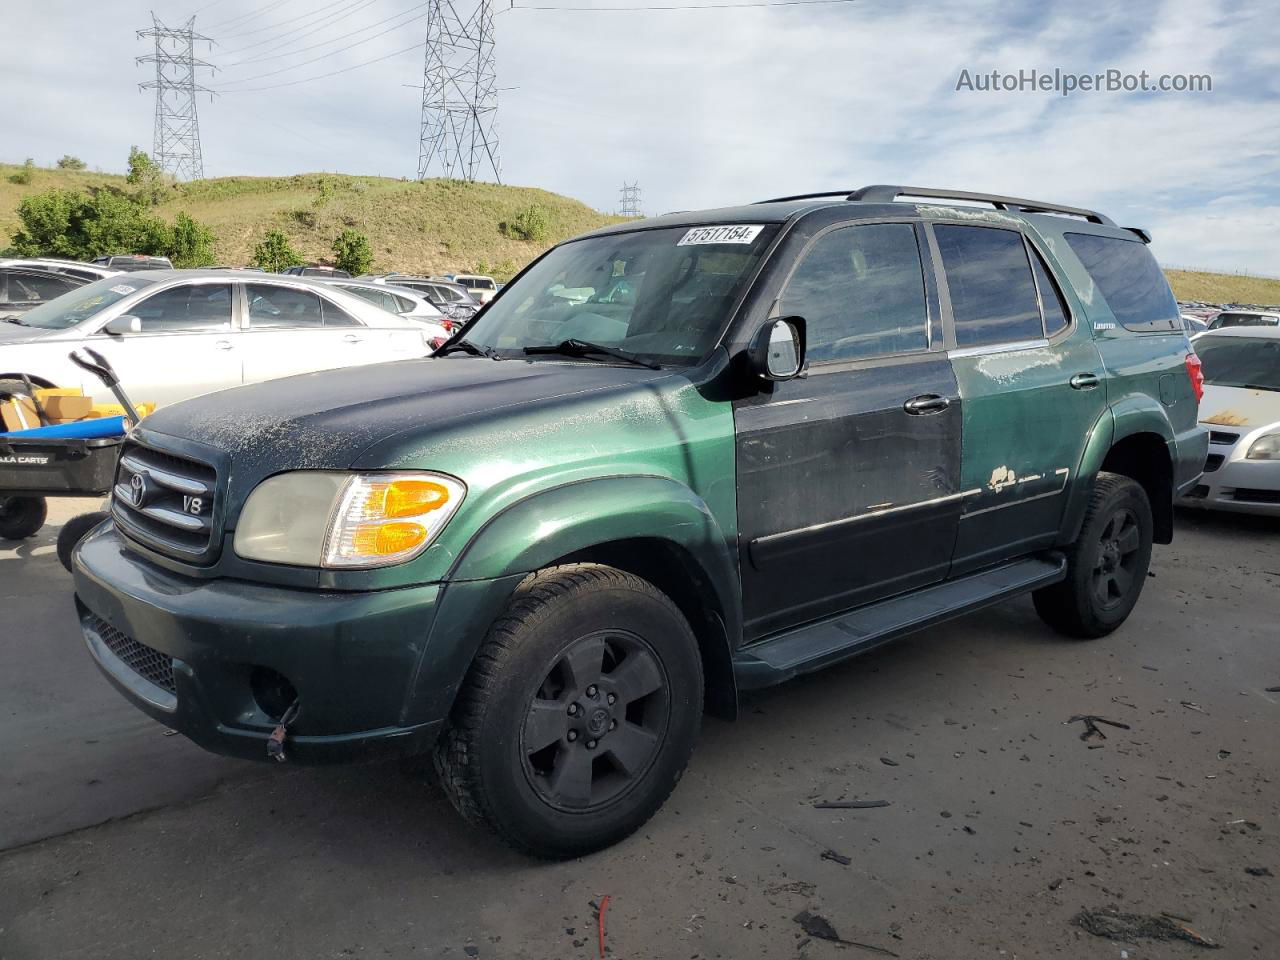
x: 734, y: 233
x: 123, y: 289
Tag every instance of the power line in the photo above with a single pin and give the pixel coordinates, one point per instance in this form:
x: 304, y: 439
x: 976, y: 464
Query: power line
x: 297, y: 22
x: 253, y: 12
x: 329, y: 20
x: 316, y: 46
x: 322, y: 76
x: 325, y: 56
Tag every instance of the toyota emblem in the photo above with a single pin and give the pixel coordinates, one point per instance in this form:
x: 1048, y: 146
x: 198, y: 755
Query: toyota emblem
x: 138, y: 489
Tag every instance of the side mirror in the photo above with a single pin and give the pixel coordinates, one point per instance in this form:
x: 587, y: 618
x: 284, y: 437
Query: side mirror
x: 125, y: 323
x: 777, y: 351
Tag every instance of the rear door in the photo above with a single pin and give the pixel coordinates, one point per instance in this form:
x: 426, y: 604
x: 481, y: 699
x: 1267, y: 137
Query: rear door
x: 294, y: 330
x: 848, y: 476
x: 1032, y: 385
x: 188, y: 344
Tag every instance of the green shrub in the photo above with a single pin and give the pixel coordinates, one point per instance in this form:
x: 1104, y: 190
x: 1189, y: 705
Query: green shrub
x: 68, y: 162
x: 190, y: 243
x: 275, y: 253
x: 150, y: 181
x: 530, y: 224
x: 79, y: 226
x: 26, y: 174
x: 352, y: 253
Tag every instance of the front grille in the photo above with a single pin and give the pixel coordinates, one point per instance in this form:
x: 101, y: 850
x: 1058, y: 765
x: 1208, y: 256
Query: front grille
x: 1223, y: 437
x: 1251, y: 495
x: 165, y: 500
x: 1213, y: 462
x: 151, y: 665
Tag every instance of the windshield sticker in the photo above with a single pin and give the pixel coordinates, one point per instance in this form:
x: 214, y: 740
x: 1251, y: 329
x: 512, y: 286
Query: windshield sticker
x: 737, y: 233
x: 123, y: 289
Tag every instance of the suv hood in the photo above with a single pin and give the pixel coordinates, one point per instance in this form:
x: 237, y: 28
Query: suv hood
x: 326, y: 420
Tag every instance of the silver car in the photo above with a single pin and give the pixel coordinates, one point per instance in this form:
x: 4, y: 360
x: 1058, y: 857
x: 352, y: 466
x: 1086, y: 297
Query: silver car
x: 174, y: 334
x: 1241, y: 409
x: 403, y: 303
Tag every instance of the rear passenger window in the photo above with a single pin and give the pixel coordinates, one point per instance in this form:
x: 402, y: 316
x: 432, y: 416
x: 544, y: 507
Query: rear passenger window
x: 1051, y: 303
x: 282, y: 307
x: 1129, y: 279
x: 861, y: 292
x: 335, y: 316
x: 993, y: 297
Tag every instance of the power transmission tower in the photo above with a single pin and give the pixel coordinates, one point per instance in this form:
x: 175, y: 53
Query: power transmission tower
x: 176, y: 143
x: 629, y: 206
x: 458, y: 135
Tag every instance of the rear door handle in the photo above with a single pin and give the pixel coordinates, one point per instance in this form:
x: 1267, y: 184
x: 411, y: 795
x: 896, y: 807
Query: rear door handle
x: 351, y: 338
x: 1084, y: 381
x: 223, y: 344
x: 929, y: 403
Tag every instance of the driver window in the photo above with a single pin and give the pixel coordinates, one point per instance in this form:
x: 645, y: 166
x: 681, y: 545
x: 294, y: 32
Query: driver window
x: 861, y: 292
x: 190, y: 308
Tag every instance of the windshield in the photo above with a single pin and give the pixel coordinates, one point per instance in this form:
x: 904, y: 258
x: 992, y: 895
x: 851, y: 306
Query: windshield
x: 1244, y: 320
x: 646, y: 292
x: 82, y: 303
x: 1240, y: 361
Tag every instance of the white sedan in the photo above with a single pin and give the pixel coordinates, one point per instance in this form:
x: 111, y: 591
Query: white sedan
x: 174, y: 334
x: 1241, y: 409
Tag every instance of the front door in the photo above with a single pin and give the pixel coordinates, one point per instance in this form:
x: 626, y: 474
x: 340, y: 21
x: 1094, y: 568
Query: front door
x: 848, y: 476
x: 187, y: 346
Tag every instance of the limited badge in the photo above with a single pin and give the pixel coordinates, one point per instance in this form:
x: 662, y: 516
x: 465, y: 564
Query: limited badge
x: 734, y: 233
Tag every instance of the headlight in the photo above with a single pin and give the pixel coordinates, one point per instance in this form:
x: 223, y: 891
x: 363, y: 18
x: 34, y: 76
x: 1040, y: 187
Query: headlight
x: 1265, y: 448
x: 318, y: 518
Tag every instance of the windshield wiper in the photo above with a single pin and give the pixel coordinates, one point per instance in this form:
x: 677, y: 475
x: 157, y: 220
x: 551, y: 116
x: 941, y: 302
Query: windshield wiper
x: 584, y: 348
x: 473, y: 349
x: 17, y: 320
x: 1261, y: 386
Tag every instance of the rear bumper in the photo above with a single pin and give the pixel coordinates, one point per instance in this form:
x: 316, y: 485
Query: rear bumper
x: 353, y: 658
x: 1239, y: 486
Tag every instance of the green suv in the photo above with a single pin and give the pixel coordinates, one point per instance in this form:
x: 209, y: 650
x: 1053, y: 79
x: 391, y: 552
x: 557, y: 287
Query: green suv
x: 673, y: 460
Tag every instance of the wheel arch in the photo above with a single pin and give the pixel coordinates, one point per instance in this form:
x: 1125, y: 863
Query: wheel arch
x: 41, y: 382
x: 1144, y: 457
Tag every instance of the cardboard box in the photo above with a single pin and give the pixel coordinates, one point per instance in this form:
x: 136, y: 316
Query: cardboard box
x: 66, y: 409
x: 19, y: 413
x: 116, y: 410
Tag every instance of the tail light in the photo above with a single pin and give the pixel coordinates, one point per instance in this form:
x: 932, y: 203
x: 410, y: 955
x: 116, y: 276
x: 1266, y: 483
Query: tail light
x: 447, y: 323
x: 438, y: 342
x: 1195, y: 374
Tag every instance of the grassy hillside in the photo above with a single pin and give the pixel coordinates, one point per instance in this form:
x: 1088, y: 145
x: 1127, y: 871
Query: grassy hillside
x: 435, y: 226
x: 1223, y: 287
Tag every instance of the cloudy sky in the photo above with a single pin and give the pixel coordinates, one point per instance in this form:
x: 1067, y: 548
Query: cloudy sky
x: 711, y: 107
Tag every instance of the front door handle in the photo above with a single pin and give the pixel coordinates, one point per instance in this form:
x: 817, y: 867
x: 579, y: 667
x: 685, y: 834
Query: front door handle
x: 351, y: 338
x: 1084, y: 381
x: 223, y: 344
x: 929, y: 403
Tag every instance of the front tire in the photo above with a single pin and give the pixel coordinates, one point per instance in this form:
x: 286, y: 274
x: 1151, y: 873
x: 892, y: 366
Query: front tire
x: 578, y: 715
x: 75, y: 530
x: 1107, y: 564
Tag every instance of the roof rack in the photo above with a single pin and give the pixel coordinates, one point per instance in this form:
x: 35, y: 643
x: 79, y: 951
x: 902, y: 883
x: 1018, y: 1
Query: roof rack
x: 887, y: 193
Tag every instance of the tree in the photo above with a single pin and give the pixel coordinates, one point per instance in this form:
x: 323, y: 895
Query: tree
x: 148, y: 179
x: 274, y: 253
x: 352, y: 253
x: 68, y: 162
x: 191, y: 243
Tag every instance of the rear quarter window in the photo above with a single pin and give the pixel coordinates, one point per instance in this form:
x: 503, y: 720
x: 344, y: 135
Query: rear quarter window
x: 1130, y: 281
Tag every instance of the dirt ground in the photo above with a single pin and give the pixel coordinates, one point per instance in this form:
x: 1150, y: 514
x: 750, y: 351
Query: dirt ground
x: 1001, y: 825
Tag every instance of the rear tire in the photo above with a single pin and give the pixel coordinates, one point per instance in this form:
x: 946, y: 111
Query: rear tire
x: 73, y: 531
x: 21, y: 517
x: 578, y: 715
x: 1107, y: 564
x: 9, y: 388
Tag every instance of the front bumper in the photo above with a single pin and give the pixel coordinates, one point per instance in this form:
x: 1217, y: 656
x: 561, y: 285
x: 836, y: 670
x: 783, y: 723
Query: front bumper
x: 353, y: 658
x: 1237, y: 485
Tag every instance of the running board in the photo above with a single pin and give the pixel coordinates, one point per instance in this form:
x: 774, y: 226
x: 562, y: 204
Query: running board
x: 816, y: 645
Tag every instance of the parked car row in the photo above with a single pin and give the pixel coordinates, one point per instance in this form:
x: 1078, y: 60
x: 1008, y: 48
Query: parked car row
x: 179, y: 333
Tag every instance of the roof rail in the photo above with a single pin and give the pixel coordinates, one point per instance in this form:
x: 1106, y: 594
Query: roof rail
x: 808, y: 196
x: 887, y: 193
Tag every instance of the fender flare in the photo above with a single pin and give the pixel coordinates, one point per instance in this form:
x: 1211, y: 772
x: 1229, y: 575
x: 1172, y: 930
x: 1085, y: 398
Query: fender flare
x: 555, y: 524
